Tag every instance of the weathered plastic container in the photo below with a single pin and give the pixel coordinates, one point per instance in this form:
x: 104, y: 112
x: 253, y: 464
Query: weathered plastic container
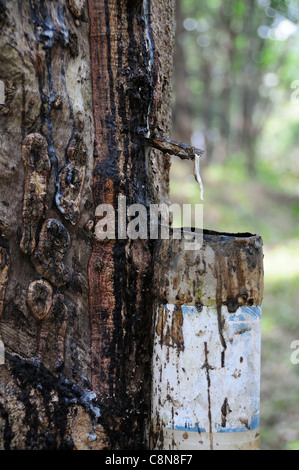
x: 207, y: 344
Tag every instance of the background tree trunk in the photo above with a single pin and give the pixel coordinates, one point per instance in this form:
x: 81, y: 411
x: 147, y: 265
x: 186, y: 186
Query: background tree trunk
x: 182, y: 110
x: 84, y: 81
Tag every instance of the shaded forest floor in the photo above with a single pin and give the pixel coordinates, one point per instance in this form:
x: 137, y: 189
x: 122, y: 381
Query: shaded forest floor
x: 234, y: 203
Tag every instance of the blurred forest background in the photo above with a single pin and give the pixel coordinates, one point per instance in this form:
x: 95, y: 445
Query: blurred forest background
x: 236, y: 94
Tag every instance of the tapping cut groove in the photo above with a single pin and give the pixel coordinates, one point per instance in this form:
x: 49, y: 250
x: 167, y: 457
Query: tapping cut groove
x: 37, y: 170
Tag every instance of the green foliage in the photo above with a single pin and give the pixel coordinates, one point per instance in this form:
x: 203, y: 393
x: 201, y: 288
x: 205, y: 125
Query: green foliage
x: 242, y: 58
x: 231, y: 47
x: 293, y: 445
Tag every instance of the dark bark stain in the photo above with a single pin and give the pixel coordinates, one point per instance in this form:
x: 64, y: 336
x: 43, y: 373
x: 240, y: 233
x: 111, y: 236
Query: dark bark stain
x: 48, y: 35
x: 207, y: 367
x: 225, y: 410
x: 8, y: 434
x: 3, y: 9
x: 35, y: 378
x: 121, y: 325
x: 173, y: 335
x: 221, y: 323
x: 50, y: 51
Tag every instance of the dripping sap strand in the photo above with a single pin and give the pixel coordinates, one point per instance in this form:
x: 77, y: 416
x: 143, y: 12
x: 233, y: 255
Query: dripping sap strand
x: 197, y: 175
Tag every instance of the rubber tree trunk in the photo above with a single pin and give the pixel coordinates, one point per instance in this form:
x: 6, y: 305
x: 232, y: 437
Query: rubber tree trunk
x: 84, y: 81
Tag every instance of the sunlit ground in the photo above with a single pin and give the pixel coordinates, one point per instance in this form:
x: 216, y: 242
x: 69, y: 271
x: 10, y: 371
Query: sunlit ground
x: 234, y: 203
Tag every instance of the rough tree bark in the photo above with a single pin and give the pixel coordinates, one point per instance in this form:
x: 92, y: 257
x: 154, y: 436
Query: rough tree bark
x: 84, y: 82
